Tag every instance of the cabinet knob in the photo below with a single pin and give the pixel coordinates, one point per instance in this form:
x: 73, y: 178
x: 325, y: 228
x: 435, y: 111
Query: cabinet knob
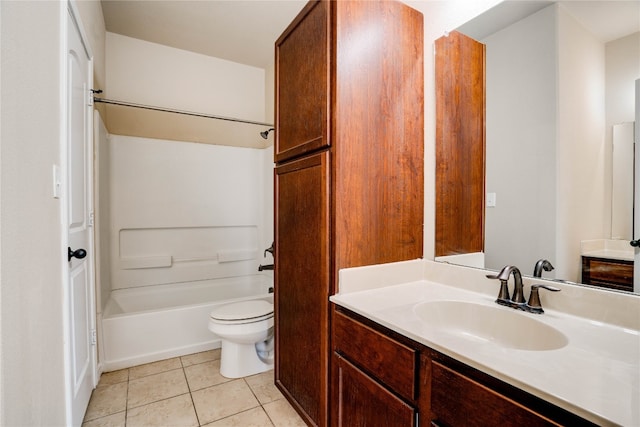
x: 635, y: 243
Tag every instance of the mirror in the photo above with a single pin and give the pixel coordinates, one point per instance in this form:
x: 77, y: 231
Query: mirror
x: 555, y: 88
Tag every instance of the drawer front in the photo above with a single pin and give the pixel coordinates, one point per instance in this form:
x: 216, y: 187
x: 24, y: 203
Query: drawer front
x: 459, y: 401
x: 361, y: 401
x: 618, y: 274
x: 382, y: 357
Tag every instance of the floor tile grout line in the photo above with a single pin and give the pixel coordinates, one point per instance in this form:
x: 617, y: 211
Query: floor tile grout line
x: 193, y: 403
x: 273, y: 423
x: 128, y: 381
x: 241, y: 412
x: 126, y: 401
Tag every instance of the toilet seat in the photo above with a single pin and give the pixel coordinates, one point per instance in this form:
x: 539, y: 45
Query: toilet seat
x: 242, y: 312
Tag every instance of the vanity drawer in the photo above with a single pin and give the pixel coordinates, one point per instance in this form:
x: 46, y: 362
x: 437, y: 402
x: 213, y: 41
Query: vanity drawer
x: 459, y: 401
x: 382, y: 357
x: 609, y: 273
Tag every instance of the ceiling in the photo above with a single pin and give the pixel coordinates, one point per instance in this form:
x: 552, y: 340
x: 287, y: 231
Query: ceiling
x: 236, y: 30
x: 244, y: 31
x: 607, y: 20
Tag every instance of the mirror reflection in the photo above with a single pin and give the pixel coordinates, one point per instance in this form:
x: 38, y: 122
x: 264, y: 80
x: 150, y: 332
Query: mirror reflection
x: 560, y: 106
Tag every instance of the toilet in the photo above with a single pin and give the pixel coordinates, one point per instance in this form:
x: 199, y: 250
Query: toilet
x: 246, y: 331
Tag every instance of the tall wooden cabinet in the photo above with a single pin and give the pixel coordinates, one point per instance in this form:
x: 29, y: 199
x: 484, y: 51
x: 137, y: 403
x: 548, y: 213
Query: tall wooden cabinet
x: 460, y: 145
x: 349, y: 177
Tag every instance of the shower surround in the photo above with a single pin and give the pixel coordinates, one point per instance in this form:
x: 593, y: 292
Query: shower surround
x: 188, y: 225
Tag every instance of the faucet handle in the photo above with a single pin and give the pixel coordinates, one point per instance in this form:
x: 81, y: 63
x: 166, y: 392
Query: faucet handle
x: 503, y: 295
x: 269, y: 249
x: 533, y: 305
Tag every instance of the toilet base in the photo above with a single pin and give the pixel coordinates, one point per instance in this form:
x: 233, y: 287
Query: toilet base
x: 240, y: 360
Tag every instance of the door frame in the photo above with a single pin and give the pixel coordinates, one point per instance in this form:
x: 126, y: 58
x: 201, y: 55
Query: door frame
x: 636, y: 191
x: 69, y: 14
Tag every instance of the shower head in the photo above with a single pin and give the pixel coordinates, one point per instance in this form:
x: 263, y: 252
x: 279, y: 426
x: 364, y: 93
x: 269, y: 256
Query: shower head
x: 265, y: 134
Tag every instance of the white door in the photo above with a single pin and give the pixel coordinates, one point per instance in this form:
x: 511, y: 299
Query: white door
x: 80, y: 300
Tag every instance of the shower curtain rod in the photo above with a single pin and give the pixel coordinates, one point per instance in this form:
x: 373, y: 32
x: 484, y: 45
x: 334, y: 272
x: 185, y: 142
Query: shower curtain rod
x: 186, y: 113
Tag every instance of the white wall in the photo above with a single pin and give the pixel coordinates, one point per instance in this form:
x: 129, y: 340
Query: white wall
x: 152, y: 74
x: 190, y: 195
x: 102, y: 212
x: 268, y: 165
x: 520, y: 142
x: 622, y: 70
x: 580, y: 142
x: 269, y: 97
x: 32, y: 381
x: 183, y: 211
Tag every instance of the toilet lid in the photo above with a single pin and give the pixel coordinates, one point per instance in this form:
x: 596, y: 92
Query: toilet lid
x: 242, y: 310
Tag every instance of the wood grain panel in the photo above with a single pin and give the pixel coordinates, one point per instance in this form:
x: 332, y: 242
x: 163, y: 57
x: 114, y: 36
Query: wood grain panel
x: 460, y: 145
x: 386, y: 359
x: 361, y: 401
x: 607, y: 273
x: 454, y: 397
x: 378, y: 120
x: 302, y: 83
x: 301, y: 305
x: 358, y: 66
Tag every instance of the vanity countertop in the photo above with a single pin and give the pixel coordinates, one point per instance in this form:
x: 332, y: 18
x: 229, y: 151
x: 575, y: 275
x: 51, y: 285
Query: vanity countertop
x: 596, y: 375
x: 607, y: 249
x: 610, y: 254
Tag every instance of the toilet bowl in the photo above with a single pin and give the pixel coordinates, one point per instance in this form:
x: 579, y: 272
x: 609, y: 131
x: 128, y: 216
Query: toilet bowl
x: 246, y: 332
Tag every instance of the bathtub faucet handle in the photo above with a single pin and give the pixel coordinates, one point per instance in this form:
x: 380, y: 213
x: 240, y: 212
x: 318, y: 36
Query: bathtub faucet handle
x: 269, y: 249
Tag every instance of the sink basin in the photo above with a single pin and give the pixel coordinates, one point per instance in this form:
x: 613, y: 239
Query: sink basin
x: 502, y: 326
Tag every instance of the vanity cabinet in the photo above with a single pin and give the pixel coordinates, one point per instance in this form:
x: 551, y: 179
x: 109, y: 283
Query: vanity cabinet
x: 378, y: 372
x: 607, y: 273
x: 349, y: 173
x: 373, y: 377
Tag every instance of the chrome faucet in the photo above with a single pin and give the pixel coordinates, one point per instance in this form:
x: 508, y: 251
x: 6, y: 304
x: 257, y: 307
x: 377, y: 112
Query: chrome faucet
x: 542, y: 264
x: 518, y: 302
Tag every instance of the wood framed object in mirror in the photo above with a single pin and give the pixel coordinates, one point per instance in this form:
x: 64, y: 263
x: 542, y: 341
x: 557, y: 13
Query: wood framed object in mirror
x: 460, y: 145
x: 608, y: 273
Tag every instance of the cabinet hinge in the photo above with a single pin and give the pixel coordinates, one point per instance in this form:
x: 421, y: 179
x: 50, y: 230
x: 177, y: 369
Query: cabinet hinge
x: 91, y: 219
x: 94, y: 337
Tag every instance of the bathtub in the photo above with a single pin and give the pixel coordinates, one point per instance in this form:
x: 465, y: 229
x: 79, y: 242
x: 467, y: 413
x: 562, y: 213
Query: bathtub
x: 150, y: 323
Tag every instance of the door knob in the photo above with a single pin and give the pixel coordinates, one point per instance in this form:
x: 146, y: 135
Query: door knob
x: 635, y: 243
x: 78, y: 253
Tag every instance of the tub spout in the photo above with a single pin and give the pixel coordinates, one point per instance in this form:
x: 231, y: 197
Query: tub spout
x: 265, y: 267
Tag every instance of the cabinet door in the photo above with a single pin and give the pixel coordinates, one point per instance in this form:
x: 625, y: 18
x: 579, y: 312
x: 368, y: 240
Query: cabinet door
x: 459, y: 401
x: 460, y: 144
x: 302, y: 76
x: 302, y: 283
x: 361, y: 401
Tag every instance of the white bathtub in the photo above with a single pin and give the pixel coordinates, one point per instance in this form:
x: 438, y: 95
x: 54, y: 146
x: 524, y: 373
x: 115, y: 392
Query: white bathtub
x: 150, y: 323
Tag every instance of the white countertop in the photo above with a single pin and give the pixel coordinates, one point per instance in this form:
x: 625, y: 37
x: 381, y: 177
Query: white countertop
x: 596, y: 375
x: 608, y: 249
x: 610, y: 254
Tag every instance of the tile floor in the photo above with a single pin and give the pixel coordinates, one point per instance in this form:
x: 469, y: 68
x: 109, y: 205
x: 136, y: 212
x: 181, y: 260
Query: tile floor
x: 187, y: 391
